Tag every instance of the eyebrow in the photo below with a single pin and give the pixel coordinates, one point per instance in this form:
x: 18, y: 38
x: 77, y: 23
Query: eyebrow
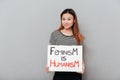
x: 68, y: 17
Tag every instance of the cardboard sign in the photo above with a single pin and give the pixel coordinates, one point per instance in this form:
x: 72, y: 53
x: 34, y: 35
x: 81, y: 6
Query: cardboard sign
x: 65, y: 58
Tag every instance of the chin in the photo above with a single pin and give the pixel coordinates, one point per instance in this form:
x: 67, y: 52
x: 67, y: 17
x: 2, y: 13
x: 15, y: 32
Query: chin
x: 67, y: 27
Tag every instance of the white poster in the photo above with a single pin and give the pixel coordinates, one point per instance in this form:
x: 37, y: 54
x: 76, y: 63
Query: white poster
x: 65, y: 58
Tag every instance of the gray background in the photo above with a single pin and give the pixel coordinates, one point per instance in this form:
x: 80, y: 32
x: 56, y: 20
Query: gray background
x: 25, y: 27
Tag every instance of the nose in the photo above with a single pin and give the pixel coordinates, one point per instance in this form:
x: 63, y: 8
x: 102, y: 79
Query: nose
x: 66, y: 21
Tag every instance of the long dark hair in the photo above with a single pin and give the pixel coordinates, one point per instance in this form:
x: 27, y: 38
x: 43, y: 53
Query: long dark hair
x: 75, y: 28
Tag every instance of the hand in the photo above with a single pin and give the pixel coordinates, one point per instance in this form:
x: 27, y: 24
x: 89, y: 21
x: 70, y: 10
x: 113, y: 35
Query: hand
x: 47, y: 69
x: 83, y: 69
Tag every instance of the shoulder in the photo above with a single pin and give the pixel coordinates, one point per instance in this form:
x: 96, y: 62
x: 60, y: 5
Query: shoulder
x: 55, y: 32
x: 81, y: 43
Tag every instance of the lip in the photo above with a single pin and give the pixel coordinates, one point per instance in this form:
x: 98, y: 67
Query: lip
x: 66, y: 24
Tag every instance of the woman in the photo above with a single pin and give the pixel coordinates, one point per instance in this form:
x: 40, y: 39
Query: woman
x: 67, y: 34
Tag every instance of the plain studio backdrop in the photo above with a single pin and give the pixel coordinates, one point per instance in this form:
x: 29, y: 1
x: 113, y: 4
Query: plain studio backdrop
x: 26, y: 25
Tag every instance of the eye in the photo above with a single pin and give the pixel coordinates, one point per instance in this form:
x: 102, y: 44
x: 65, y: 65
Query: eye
x: 69, y: 19
x: 63, y: 18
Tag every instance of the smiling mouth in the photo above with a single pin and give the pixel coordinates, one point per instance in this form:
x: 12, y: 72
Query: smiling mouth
x: 66, y: 25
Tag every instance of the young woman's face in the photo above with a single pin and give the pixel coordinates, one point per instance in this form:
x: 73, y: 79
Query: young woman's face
x: 67, y: 20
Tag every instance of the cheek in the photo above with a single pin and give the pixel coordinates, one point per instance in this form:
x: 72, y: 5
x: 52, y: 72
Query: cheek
x: 71, y: 22
x: 63, y: 22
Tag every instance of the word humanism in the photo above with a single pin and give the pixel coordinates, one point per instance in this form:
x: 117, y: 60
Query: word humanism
x: 64, y: 64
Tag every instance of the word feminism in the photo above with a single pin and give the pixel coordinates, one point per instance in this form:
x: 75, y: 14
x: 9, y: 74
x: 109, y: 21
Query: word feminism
x: 73, y: 51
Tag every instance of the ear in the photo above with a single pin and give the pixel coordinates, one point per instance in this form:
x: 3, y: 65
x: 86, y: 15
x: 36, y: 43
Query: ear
x: 74, y: 21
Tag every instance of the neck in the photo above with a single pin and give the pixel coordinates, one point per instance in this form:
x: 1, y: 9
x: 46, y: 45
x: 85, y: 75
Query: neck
x: 67, y: 32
